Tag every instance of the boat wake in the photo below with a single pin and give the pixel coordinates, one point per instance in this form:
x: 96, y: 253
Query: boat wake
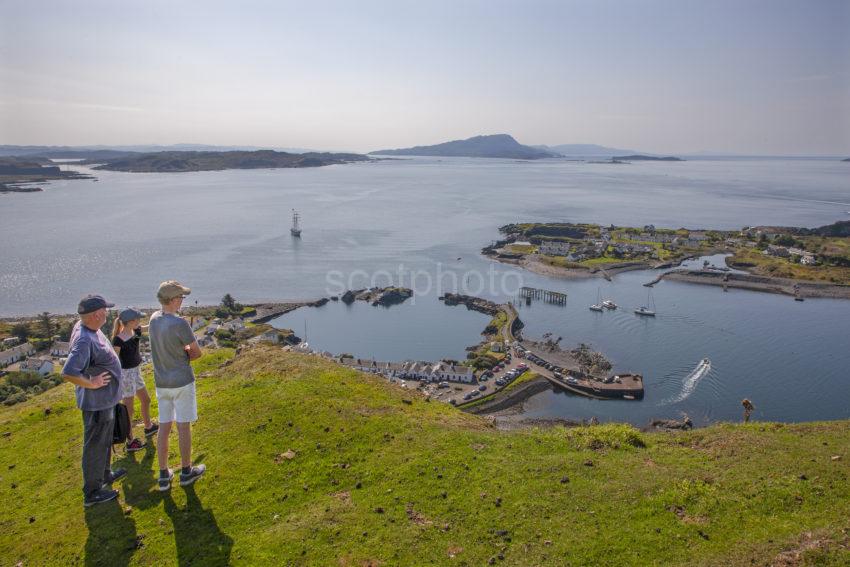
x: 692, y: 379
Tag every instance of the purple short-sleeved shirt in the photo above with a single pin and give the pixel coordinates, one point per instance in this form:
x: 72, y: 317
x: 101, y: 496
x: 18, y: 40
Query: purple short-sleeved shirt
x: 91, y: 354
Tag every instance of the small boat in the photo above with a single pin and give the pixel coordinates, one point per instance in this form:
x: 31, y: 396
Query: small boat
x: 798, y: 298
x: 296, y: 226
x: 646, y: 310
x: 598, y: 305
x: 609, y: 304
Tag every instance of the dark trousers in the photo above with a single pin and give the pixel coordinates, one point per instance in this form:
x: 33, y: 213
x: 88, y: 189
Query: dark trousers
x: 97, y: 447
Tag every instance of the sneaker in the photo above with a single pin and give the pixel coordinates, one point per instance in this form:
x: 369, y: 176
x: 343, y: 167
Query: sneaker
x: 115, y: 474
x: 152, y: 429
x: 165, y: 483
x: 135, y: 445
x: 194, y: 474
x: 99, y: 497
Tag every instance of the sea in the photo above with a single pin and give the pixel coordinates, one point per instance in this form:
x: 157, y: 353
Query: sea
x: 420, y: 223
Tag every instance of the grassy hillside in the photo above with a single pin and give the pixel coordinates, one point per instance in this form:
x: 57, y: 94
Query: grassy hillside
x: 310, y: 463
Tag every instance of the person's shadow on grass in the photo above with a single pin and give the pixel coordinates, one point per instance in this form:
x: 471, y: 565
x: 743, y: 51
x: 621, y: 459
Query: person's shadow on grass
x: 112, y: 535
x: 198, y: 538
x: 140, y: 480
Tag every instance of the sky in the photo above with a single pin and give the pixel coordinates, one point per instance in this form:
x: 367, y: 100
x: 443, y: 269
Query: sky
x: 678, y: 76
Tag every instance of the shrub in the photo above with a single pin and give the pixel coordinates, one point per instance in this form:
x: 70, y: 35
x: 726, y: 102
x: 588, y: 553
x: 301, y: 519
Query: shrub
x: 23, y: 379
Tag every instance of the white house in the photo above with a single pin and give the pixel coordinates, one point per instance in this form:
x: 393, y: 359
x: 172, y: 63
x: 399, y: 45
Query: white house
x: 198, y: 322
x: 43, y: 366
x: 271, y: 336
x: 15, y: 354
x: 10, y: 342
x: 236, y: 324
x: 60, y: 349
x: 451, y: 373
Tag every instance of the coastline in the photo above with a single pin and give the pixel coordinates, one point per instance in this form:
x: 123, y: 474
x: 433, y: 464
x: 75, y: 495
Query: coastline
x: 752, y: 282
x: 747, y: 281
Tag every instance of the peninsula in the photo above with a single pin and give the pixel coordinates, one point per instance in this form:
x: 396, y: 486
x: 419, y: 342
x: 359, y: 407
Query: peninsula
x: 17, y: 174
x: 174, y: 162
x: 792, y: 260
x: 493, y: 146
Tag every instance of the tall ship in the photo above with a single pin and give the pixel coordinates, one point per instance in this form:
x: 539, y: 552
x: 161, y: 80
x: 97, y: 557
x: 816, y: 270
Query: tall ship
x: 296, y: 224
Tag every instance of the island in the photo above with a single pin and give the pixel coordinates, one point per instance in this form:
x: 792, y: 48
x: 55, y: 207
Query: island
x: 639, y: 157
x: 18, y: 173
x: 493, y: 146
x: 176, y: 162
x: 802, y: 262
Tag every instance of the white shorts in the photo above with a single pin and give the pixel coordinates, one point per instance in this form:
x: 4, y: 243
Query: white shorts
x: 131, y: 382
x: 177, y: 404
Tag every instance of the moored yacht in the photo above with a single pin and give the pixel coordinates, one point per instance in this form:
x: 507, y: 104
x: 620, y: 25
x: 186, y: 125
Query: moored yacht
x: 598, y: 305
x: 647, y: 310
x: 609, y: 304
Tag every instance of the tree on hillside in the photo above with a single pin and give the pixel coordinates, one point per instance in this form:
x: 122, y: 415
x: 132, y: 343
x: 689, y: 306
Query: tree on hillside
x: 228, y: 302
x: 45, y: 325
x: 21, y: 330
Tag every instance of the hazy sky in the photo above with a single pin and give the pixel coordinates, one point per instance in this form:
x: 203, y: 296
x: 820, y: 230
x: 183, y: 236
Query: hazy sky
x: 741, y: 76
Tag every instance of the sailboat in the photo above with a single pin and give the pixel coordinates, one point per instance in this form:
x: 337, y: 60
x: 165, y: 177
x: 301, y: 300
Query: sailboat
x: 296, y: 226
x: 648, y: 309
x: 598, y: 305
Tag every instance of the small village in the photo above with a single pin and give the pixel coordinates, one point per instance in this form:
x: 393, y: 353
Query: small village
x: 818, y: 254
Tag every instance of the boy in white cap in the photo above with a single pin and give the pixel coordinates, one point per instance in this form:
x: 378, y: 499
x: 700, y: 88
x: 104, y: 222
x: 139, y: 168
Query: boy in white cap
x: 173, y: 346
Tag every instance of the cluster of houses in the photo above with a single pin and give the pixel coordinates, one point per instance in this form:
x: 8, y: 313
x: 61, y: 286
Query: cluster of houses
x: 620, y: 244
x: 806, y: 257
x: 424, y: 371
x: 22, y: 355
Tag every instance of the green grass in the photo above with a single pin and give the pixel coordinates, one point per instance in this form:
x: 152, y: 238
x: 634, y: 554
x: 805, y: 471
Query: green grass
x: 382, y: 477
x: 765, y: 265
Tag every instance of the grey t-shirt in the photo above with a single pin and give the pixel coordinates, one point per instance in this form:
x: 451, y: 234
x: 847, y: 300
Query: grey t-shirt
x: 91, y: 354
x: 168, y: 335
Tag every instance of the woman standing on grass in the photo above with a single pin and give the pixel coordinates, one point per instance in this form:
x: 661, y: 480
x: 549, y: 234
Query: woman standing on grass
x: 126, y: 335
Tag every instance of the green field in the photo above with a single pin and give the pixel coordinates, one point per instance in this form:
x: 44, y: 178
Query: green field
x: 313, y: 464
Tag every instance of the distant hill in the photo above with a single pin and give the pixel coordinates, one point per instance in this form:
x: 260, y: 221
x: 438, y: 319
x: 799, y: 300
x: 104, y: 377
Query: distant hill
x: 493, y: 146
x: 639, y: 157
x: 101, y: 151
x: 848, y: 159
x: 585, y: 150
x: 63, y: 152
x: 214, y: 161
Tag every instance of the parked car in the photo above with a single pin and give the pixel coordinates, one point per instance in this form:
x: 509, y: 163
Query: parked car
x: 482, y: 387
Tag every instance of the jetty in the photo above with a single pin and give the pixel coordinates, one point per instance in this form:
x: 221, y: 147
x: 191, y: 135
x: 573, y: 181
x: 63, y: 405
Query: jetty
x: 556, y: 297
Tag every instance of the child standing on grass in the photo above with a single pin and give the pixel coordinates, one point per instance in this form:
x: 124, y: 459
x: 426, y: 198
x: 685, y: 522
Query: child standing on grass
x: 126, y: 336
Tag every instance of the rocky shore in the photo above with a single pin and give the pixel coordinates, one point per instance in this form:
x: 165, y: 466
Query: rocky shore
x: 767, y: 284
x: 385, y: 296
x: 472, y: 303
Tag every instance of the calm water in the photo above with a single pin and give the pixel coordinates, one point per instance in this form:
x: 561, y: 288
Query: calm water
x: 229, y: 232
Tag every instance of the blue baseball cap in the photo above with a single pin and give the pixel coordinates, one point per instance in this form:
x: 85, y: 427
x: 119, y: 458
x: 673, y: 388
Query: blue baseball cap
x: 130, y: 314
x: 91, y: 303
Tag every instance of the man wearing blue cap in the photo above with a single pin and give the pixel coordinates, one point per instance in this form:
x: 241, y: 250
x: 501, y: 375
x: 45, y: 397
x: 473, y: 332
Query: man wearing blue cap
x: 94, y: 369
